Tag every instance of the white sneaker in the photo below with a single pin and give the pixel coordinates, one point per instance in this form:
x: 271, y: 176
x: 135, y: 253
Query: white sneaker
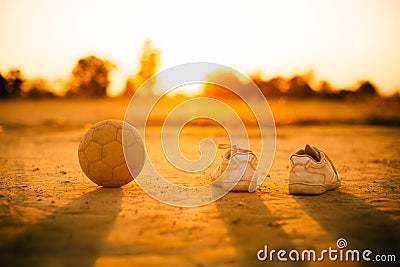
x: 312, y: 172
x: 238, y: 169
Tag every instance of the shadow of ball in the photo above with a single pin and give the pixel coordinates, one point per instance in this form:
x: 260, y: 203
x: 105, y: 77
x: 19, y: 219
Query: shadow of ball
x: 101, y: 153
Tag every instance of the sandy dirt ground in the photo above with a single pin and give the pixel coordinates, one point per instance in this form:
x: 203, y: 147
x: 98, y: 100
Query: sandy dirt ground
x: 52, y: 215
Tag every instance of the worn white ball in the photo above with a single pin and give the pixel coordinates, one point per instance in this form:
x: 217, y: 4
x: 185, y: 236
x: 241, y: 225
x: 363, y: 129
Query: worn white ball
x: 101, y: 153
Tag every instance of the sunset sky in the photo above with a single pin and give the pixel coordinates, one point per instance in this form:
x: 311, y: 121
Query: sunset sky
x: 342, y: 41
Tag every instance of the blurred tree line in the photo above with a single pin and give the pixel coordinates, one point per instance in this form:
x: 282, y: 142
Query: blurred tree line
x: 90, y: 78
x: 299, y: 87
x: 295, y: 87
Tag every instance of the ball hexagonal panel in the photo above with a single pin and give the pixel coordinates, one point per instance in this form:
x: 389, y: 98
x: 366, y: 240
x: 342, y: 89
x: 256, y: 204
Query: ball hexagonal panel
x: 100, y: 172
x: 98, y: 124
x: 113, y: 154
x: 128, y: 138
x: 122, y: 173
x: 105, y: 134
x: 119, y: 135
x: 135, y: 158
x: 93, y: 152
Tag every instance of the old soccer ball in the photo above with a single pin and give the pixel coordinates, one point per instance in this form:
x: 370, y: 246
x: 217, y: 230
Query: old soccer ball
x: 101, y: 153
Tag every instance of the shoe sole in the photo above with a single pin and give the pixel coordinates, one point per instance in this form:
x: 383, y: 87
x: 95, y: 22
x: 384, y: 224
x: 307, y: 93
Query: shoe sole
x: 241, y: 186
x: 310, y: 189
x: 306, y: 189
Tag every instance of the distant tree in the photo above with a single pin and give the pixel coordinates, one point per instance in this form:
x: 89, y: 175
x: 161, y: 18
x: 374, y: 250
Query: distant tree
x: 346, y: 94
x: 325, y: 90
x: 395, y: 95
x: 90, y: 78
x: 271, y: 89
x: 231, y: 81
x: 149, y: 64
x: 3, y: 87
x: 14, y: 81
x: 366, y: 90
x: 299, y: 88
x: 37, y: 88
x: 36, y: 93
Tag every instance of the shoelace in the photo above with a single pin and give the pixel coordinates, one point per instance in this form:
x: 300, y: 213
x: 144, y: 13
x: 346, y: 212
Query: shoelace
x: 234, y: 148
x: 329, y: 160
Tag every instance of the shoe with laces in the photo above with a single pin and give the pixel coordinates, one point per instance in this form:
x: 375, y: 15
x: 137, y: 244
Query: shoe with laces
x: 312, y: 172
x: 238, y: 169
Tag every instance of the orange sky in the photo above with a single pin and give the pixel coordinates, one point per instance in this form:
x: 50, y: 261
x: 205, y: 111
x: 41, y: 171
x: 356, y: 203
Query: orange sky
x: 343, y: 41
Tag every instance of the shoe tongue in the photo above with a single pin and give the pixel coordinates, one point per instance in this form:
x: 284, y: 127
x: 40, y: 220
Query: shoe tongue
x: 312, y: 152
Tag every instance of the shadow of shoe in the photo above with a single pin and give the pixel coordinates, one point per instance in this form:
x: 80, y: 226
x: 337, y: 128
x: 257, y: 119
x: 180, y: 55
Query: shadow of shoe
x: 251, y: 226
x: 349, y: 217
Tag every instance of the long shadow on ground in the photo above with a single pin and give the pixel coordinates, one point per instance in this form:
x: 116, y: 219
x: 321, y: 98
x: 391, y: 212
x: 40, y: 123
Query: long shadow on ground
x: 362, y: 225
x: 72, y: 236
x: 251, y: 226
